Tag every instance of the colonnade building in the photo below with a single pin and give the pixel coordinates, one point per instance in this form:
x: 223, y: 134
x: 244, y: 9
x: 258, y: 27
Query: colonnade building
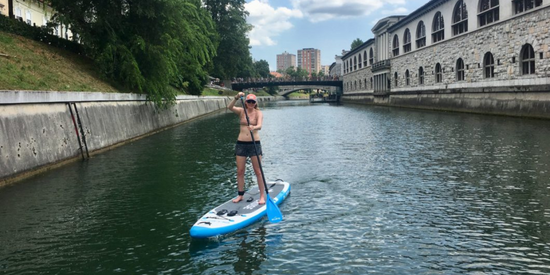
x: 465, y: 55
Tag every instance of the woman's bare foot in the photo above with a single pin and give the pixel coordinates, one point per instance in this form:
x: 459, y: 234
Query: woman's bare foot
x: 261, y: 201
x: 238, y: 199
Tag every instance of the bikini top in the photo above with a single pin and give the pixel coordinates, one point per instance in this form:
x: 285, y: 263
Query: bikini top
x: 253, y: 119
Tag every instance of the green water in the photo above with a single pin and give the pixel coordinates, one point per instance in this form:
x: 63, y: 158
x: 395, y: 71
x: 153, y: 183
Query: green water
x: 374, y: 190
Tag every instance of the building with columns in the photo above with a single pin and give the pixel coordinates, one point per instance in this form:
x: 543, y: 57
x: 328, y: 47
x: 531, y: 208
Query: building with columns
x: 457, y: 52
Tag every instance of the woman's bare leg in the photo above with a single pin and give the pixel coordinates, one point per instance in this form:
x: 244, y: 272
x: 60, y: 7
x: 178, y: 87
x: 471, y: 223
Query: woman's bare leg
x: 241, y: 164
x: 258, y: 172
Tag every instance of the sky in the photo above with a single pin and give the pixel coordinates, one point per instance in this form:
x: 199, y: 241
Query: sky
x: 328, y: 25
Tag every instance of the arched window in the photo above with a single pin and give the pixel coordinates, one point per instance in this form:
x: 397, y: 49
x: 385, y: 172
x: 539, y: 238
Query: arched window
x: 488, y: 12
x: 395, y: 79
x: 420, y: 76
x: 438, y: 73
x: 395, y: 45
x: 364, y: 58
x: 460, y: 18
x: 355, y: 63
x: 420, y: 35
x: 525, y: 5
x: 371, y: 57
x: 407, y: 41
x: 355, y: 85
x: 407, y: 78
x: 360, y: 61
x: 527, y: 59
x: 345, y: 66
x: 460, y: 69
x: 371, y: 84
x: 489, y: 65
x: 438, y: 28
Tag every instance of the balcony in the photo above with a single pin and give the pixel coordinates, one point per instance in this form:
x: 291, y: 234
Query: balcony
x: 381, y: 65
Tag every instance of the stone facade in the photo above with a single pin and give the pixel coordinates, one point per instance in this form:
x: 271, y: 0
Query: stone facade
x: 516, y: 42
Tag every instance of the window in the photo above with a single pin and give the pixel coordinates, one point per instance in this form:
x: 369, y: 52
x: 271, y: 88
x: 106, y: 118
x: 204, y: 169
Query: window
x: 460, y: 69
x: 460, y: 18
x: 355, y: 85
x: 28, y: 18
x: 18, y: 14
x: 489, y: 65
x: 525, y: 5
x: 438, y: 28
x: 407, y: 78
x: 364, y: 58
x: 395, y: 79
x: 420, y: 76
x: 420, y: 35
x: 360, y: 61
x: 355, y: 63
x: 407, y: 41
x: 438, y: 73
x: 488, y: 12
x: 527, y: 59
x: 395, y: 45
x: 371, y: 56
x: 371, y: 84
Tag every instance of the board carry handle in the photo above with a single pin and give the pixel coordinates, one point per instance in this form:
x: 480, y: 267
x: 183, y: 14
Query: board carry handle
x: 273, y: 212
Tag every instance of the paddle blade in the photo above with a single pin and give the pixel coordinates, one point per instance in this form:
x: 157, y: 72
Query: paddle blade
x: 273, y: 213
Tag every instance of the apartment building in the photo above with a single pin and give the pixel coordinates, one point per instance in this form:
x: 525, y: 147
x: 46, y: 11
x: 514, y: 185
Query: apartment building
x: 309, y: 59
x: 285, y: 61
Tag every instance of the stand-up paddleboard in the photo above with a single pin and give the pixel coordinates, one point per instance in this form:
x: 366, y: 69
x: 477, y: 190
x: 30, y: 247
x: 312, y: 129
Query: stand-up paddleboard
x: 231, y: 216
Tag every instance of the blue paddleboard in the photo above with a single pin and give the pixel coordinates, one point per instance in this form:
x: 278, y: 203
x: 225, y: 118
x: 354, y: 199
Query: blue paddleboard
x: 231, y: 216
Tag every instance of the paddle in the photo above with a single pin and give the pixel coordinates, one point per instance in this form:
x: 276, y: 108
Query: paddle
x: 273, y: 213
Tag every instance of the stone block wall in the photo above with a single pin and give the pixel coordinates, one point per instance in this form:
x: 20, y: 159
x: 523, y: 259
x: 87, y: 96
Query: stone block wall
x: 38, y: 135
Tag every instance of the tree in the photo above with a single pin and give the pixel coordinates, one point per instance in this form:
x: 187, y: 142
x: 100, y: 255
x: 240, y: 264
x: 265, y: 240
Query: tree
x: 145, y: 45
x: 262, y: 68
x: 233, y: 54
x: 356, y: 43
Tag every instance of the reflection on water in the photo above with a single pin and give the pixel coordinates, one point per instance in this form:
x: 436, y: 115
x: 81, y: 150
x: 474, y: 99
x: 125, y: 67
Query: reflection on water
x: 374, y: 190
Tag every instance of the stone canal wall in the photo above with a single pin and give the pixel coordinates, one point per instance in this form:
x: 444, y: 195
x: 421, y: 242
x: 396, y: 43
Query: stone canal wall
x: 37, y: 129
x: 519, y: 104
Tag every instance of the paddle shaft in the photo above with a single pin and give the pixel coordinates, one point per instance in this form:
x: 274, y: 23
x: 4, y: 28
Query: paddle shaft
x: 255, y: 148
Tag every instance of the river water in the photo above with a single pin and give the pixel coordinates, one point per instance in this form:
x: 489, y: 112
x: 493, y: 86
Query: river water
x: 374, y: 190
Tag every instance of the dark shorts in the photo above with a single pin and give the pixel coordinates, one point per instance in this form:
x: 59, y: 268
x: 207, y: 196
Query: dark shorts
x: 246, y: 148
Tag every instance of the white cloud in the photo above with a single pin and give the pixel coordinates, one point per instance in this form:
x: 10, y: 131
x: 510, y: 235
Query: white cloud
x: 321, y: 10
x: 268, y: 22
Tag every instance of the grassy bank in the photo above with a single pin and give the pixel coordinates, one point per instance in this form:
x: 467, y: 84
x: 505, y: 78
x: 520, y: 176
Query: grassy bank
x: 29, y: 65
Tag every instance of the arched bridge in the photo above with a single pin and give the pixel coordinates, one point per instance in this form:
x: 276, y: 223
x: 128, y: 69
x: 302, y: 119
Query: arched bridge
x: 302, y: 84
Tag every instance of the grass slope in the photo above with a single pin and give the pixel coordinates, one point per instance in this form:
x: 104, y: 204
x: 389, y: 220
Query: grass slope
x: 30, y: 65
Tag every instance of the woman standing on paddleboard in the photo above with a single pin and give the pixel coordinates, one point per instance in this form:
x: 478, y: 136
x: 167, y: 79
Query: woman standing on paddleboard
x: 245, y: 146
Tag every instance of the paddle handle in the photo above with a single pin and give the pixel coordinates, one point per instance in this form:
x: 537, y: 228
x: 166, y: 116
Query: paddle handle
x: 255, y: 148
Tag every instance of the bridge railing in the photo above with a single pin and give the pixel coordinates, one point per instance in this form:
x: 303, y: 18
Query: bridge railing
x: 285, y: 79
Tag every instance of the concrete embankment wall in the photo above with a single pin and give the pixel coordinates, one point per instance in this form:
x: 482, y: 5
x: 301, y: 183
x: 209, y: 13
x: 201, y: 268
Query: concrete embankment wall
x: 37, y: 131
x: 519, y: 104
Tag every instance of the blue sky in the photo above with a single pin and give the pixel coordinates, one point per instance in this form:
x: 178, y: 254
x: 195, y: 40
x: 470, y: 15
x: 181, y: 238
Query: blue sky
x: 328, y: 25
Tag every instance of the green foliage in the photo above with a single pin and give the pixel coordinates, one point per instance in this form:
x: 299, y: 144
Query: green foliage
x: 272, y: 90
x: 38, y: 34
x: 147, y: 45
x: 262, y: 68
x: 233, y: 54
x: 356, y: 43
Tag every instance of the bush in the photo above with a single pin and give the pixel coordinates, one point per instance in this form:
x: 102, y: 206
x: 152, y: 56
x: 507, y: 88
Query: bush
x: 41, y: 34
